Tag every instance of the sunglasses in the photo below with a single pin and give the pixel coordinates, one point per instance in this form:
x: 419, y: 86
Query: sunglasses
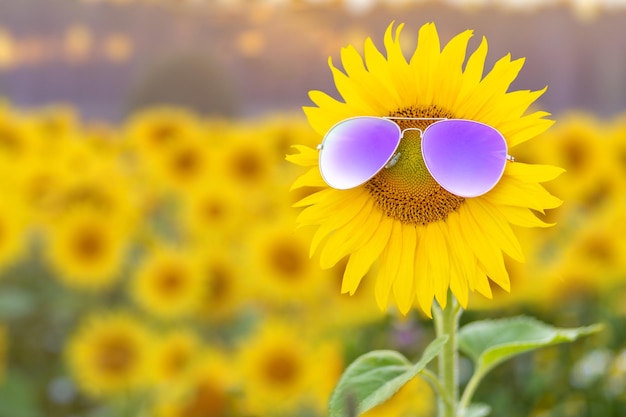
x: 467, y: 158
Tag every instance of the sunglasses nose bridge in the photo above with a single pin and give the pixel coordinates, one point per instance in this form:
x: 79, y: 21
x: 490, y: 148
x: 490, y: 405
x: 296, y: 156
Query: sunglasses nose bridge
x: 415, y: 129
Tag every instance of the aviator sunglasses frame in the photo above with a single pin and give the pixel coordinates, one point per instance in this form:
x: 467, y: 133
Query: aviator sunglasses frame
x: 431, y: 165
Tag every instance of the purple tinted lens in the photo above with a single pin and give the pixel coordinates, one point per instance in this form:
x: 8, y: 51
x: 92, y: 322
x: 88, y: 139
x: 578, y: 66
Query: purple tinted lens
x: 465, y: 157
x: 355, y: 149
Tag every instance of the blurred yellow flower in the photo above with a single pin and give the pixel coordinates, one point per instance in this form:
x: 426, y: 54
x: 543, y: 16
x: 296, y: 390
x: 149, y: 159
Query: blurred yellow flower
x: 184, y: 164
x: 207, y: 392
x: 225, y: 290
x: 152, y: 131
x: 108, y: 354
x: 276, y: 370
x: 428, y: 240
x: 13, y: 232
x: 167, y: 283
x: 16, y: 140
x: 336, y: 309
x: 174, y: 356
x: 415, y: 399
x: 211, y: 213
x: 578, y: 144
x: 279, y: 259
x: 246, y: 161
x: 328, y: 357
x: 86, y: 250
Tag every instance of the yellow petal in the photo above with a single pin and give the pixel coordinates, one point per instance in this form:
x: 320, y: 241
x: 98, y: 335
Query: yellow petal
x: 403, y: 285
x: 425, y: 62
x: 306, y: 157
x: 353, y: 94
x: 532, y: 172
x: 495, y: 227
x: 338, y: 225
x: 389, y: 263
x: 489, y: 256
x: 474, y: 68
x: 424, y: 286
x: 461, y: 254
x: 362, y: 259
x: 451, y: 67
x: 439, y: 261
x: 521, y: 216
x: 378, y: 67
x: 513, y: 192
x: 525, y: 128
x: 312, y: 178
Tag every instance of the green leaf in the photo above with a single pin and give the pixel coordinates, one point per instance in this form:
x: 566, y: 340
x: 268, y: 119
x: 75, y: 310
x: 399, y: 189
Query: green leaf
x: 490, y: 342
x: 374, y: 377
x: 477, y: 410
x: 18, y: 396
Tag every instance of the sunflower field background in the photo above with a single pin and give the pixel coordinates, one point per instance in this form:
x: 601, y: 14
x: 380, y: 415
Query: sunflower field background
x: 149, y: 260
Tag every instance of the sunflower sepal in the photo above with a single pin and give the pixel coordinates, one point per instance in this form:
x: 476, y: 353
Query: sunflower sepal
x: 376, y: 376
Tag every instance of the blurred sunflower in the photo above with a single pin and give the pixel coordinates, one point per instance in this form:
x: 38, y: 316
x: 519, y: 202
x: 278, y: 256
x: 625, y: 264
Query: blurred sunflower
x: 225, y: 292
x: 578, y: 144
x: 210, y: 212
x: 185, y: 164
x: 174, y: 356
x: 592, y: 260
x: 153, y: 131
x: 245, y: 161
x: 13, y: 232
x: 276, y: 370
x: 340, y: 309
x: 16, y: 140
x: 207, y: 391
x: 100, y: 188
x: 279, y: 257
x: 108, y: 354
x: 414, y: 399
x: 427, y: 240
x: 167, y: 283
x: 328, y: 356
x: 86, y: 250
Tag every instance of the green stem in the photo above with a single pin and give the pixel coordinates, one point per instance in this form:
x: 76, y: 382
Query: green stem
x: 431, y: 377
x: 468, y: 393
x: 447, y: 323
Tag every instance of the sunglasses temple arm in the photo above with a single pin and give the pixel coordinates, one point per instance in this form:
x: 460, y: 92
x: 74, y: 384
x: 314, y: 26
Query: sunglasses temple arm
x: 414, y: 118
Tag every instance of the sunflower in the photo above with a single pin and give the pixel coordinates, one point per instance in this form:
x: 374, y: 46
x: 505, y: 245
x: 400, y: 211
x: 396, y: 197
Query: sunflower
x: 427, y: 240
x: 245, y: 162
x: 338, y: 309
x: 168, y: 283
x: 225, y: 289
x: 210, y: 212
x: 207, y: 391
x: 86, y: 250
x: 13, y: 232
x: 108, y: 354
x: 415, y: 399
x: 579, y: 144
x: 153, y: 131
x: 276, y: 370
x: 279, y: 257
x: 173, y: 356
x: 16, y: 140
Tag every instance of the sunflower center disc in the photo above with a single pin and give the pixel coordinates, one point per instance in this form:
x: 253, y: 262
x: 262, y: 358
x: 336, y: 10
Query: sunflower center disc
x: 406, y: 191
